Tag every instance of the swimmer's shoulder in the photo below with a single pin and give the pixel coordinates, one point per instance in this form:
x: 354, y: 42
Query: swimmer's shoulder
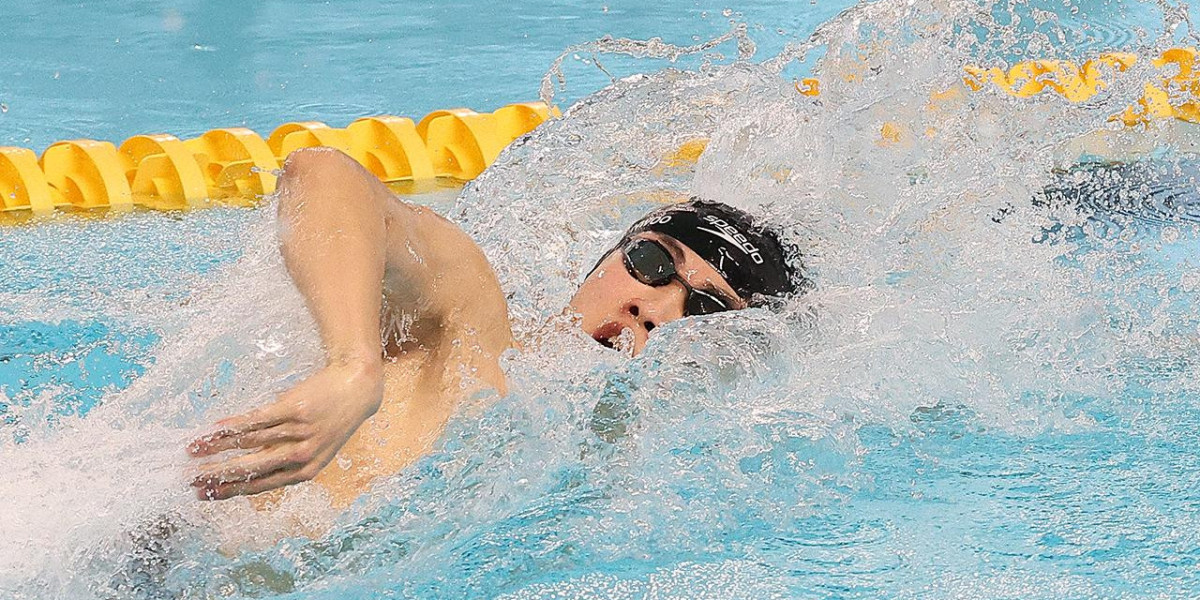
x: 460, y: 313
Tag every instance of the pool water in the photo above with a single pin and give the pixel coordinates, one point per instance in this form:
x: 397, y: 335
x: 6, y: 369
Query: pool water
x: 76, y: 70
x: 985, y: 397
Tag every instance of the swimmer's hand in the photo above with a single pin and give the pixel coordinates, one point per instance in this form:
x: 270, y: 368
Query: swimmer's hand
x: 292, y: 438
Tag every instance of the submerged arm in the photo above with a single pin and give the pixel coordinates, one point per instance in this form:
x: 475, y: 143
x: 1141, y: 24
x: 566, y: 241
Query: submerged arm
x: 349, y: 245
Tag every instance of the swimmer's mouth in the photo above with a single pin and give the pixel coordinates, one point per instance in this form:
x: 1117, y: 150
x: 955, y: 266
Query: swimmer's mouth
x: 608, y: 333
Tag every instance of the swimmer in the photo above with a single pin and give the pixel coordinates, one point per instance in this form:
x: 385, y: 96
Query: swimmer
x: 357, y: 254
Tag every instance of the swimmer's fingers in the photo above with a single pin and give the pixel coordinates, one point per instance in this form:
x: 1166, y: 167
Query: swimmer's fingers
x: 215, y: 444
x: 262, y: 464
x: 224, y: 491
x: 235, y: 427
x: 259, y: 418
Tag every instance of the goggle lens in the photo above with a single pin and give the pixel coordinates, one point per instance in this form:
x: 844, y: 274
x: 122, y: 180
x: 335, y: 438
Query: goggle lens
x: 701, y: 303
x: 650, y: 263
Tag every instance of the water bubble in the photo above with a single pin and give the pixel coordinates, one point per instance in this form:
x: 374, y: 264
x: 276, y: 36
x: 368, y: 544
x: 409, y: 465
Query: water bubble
x: 1190, y: 281
x: 172, y: 20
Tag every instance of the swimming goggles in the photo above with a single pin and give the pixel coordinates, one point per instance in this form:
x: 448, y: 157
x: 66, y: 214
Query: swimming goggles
x: 651, y: 263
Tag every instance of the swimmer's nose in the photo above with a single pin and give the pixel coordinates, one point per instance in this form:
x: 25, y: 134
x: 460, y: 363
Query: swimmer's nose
x: 647, y: 314
x: 636, y: 311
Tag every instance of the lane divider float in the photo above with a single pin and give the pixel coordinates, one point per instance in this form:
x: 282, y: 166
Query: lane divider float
x: 1176, y: 95
x: 237, y: 166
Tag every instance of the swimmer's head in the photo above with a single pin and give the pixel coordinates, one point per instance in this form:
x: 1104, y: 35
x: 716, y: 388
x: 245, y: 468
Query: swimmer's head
x: 687, y: 259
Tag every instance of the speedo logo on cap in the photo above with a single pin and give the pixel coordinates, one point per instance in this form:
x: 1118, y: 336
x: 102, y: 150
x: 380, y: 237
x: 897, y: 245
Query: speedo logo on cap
x: 731, y: 234
x: 653, y: 220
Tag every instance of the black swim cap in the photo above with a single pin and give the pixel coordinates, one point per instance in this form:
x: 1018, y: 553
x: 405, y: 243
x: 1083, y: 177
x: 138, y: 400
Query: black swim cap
x: 751, y: 258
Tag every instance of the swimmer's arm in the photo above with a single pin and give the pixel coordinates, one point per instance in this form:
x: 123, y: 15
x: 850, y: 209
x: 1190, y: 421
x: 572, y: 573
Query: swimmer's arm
x: 348, y: 244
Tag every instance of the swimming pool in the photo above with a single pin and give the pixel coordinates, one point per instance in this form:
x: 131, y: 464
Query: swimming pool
x: 958, y: 412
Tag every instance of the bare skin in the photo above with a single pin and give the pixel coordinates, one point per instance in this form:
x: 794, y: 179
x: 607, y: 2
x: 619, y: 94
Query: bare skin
x: 610, y: 300
x: 356, y: 253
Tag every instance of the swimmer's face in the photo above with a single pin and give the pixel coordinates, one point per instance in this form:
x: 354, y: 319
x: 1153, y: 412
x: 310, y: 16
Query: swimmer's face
x: 611, y: 300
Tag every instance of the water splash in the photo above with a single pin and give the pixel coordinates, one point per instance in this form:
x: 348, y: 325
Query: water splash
x: 984, y: 375
x: 653, y: 48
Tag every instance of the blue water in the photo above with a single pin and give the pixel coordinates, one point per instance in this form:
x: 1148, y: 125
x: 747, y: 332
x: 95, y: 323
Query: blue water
x: 79, y: 279
x: 73, y: 69
x: 781, y: 474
